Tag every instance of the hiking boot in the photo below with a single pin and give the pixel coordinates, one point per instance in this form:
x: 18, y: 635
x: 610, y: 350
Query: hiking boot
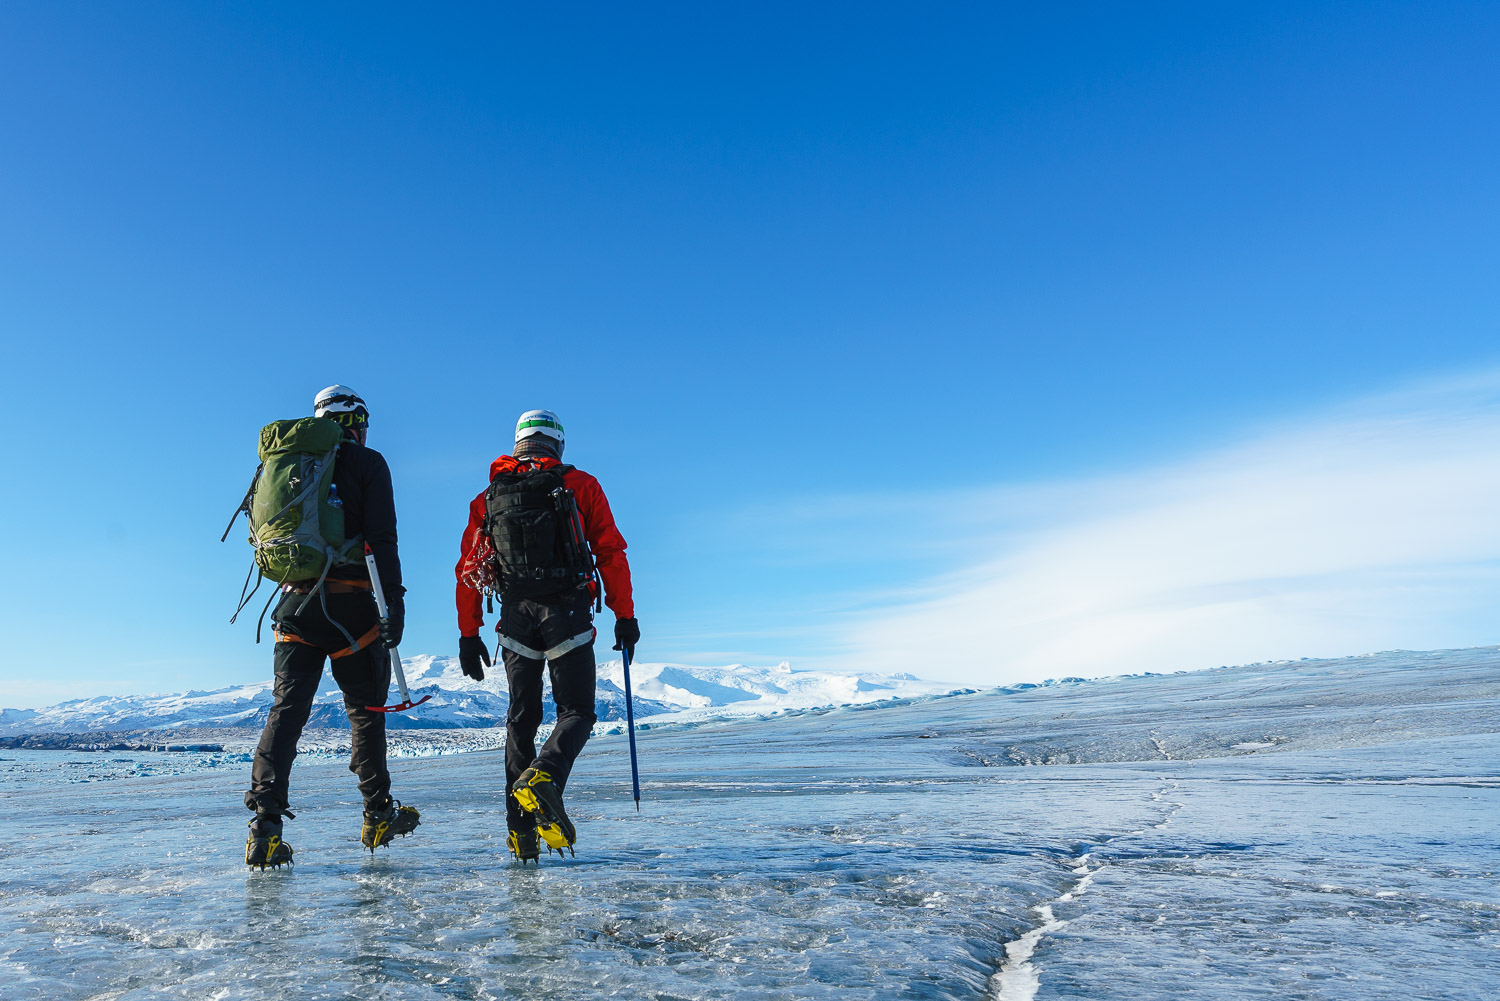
x: 524, y: 845
x: 381, y: 826
x: 538, y: 794
x: 264, y: 847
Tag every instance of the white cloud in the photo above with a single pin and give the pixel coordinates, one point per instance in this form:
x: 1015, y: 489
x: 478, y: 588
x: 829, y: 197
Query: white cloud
x: 1374, y: 527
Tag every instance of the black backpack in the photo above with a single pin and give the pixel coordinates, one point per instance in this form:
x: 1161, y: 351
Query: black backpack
x: 532, y: 521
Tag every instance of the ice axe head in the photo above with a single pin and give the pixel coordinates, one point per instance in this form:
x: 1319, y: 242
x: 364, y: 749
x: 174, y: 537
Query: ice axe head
x: 380, y: 606
x: 399, y: 707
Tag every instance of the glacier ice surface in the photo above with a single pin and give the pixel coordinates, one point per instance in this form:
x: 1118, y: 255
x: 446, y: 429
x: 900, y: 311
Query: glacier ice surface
x: 1306, y: 830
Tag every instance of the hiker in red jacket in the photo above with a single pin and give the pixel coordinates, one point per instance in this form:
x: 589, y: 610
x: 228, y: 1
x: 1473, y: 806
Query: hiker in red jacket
x: 542, y: 537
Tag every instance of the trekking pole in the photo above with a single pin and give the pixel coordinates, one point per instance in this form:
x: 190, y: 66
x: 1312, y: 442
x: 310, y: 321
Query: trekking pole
x: 380, y: 606
x: 635, y: 771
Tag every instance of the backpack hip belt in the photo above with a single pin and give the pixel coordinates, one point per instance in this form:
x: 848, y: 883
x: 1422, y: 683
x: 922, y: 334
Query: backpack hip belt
x: 566, y: 646
x: 331, y: 586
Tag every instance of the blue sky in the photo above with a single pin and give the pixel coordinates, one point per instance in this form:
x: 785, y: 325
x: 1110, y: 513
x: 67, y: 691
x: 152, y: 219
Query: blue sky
x: 842, y: 303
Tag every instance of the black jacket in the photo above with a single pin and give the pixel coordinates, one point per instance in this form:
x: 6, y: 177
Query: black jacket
x: 363, y: 481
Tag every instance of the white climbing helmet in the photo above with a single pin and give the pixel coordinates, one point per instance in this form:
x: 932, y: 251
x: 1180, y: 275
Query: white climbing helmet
x: 540, y: 422
x: 338, y: 400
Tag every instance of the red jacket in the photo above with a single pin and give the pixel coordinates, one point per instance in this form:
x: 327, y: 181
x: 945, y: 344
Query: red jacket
x: 599, y: 528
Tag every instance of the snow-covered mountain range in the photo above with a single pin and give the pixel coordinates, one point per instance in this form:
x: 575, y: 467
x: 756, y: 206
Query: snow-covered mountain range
x: 681, y: 691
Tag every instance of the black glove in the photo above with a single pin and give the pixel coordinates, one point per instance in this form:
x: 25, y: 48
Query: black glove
x: 471, y: 652
x: 627, y: 635
x: 393, y: 626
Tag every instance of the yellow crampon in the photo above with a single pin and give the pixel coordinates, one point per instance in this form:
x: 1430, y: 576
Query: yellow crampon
x: 371, y: 838
x: 523, y: 850
x: 273, y: 846
x: 547, y: 824
x: 526, y: 796
x: 556, y: 840
x: 381, y: 828
x: 528, y: 799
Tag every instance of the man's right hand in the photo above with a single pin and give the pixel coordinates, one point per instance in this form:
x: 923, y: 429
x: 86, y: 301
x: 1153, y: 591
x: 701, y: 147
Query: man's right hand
x: 471, y: 654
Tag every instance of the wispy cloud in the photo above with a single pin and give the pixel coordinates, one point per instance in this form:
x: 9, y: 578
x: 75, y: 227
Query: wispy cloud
x: 1372, y: 527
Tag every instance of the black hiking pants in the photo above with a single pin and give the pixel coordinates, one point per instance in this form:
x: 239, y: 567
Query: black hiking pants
x: 541, y: 624
x: 364, y: 676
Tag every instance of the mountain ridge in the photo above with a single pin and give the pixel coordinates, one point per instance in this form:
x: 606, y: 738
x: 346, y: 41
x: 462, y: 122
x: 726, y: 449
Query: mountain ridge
x: 459, y: 702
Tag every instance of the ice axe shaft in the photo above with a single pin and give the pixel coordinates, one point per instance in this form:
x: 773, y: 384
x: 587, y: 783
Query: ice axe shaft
x: 384, y: 610
x: 635, y: 771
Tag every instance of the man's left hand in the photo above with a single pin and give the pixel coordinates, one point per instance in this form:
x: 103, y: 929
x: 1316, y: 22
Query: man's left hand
x: 627, y: 635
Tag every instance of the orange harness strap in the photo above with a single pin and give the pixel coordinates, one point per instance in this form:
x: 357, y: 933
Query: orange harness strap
x: 359, y: 644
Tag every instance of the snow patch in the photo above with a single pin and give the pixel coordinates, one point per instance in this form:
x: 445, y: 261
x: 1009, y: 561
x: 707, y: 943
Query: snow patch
x: 1018, y: 980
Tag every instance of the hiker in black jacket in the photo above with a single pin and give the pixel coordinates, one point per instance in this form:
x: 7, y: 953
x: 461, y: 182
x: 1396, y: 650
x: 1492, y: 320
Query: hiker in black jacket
x: 339, y: 624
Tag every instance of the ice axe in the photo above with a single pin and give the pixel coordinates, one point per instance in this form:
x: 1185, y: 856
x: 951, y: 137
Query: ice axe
x: 635, y: 772
x: 380, y: 606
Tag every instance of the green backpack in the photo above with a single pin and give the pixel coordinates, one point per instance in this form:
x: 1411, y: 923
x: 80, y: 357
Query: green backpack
x: 296, y: 527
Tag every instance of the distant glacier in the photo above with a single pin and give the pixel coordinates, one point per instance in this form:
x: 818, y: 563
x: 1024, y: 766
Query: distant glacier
x: 679, y: 691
